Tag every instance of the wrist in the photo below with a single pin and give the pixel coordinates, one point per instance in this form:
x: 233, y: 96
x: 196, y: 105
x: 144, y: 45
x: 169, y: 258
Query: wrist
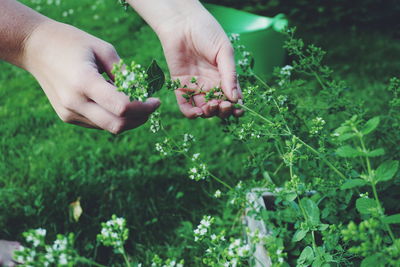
x: 37, y: 43
x: 160, y: 15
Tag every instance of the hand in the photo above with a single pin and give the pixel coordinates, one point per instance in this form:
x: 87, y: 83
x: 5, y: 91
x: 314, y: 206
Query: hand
x: 195, y: 45
x: 7, y: 249
x: 68, y: 63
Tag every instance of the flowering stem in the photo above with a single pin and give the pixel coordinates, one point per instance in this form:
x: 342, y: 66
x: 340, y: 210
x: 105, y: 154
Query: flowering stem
x: 313, y: 150
x: 372, y: 182
x: 188, y: 157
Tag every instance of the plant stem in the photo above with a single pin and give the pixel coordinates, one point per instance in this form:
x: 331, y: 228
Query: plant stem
x: 90, y: 262
x: 330, y: 165
x: 374, y: 191
x: 188, y: 157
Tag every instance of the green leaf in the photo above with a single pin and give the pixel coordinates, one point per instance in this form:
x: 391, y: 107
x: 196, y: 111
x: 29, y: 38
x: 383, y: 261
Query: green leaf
x: 311, y: 209
x: 306, y: 256
x: 290, y: 196
x: 365, y: 205
x: 346, y: 136
x: 370, y: 126
x: 376, y: 153
x: 155, y: 78
x: 348, y: 152
x: 352, y: 183
x: 373, y: 260
x: 299, y: 235
x: 392, y: 219
x: 386, y: 170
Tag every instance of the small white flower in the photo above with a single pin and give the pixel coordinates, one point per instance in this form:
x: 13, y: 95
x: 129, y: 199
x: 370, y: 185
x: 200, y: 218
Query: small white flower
x: 217, y: 194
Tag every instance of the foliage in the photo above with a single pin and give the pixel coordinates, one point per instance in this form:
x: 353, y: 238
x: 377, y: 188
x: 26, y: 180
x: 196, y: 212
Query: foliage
x: 326, y: 150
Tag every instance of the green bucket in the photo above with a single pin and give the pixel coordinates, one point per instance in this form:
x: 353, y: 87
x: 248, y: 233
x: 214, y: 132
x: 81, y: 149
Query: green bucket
x: 262, y: 36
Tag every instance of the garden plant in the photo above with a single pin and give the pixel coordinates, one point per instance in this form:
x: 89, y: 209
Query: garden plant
x: 305, y: 130
x: 344, y: 223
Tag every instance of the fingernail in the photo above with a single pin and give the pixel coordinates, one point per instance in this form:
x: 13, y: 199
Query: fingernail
x: 213, y: 104
x: 240, y: 101
x: 234, y: 95
x: 199, y: 113
x: 154, y: 101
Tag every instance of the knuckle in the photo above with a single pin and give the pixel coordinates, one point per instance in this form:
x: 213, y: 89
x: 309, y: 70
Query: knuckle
x: 121, y: 109
x: 110, y: 50
x: 66, y: 116
x: 118, y: 127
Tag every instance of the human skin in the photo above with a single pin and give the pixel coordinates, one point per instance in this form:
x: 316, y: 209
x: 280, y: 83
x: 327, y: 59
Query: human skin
x: 194, y: 45
x: 68, y: 63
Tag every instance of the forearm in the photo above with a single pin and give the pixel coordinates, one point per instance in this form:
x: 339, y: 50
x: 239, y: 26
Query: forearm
x: 159, y: 12
x: 17, y: 22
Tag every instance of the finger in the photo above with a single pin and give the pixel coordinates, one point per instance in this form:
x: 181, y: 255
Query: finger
x: 107, y: 96
x: 238, y: 113
x: 108, y: 121
x: 212, y: 107
x: 200, y: 101
x: 106, y: 57
x: 227, y: 69
x: 186, y: 107
x: 225, y: 109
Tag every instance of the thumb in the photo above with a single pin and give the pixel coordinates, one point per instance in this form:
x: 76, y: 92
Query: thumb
x: 227, y: 70
x: 148, y: 107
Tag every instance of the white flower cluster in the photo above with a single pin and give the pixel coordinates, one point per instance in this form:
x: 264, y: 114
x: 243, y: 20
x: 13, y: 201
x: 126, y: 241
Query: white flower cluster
x: 203, y: 227
x: 158, y: 262
x: 36, y: 237
x: 60, y: 253
x: 236, y: 250
x: 188, y: 139
x: 114, y: 233
x: 285, y: 74
x: 155, y: 124
x: 286, y: 70
x: 198, y: 172
x: 234, y: 37
x: 163, y: 148
x: 247, y: 130
x: 132, y: 80
x: 217, y: 194
x: 317, y: 125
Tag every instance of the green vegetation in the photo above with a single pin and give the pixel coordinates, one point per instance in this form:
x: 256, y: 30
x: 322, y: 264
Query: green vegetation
x: 312, y: 128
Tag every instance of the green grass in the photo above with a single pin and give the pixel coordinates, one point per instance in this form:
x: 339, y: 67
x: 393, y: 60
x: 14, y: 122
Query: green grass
x: 46, y: 164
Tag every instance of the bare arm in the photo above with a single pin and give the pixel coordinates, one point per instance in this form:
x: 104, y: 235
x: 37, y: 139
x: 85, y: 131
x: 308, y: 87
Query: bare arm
x: 17, y: 22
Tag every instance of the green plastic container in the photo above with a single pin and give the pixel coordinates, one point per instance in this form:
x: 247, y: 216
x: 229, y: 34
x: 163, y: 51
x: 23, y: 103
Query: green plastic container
x: 262, y: 36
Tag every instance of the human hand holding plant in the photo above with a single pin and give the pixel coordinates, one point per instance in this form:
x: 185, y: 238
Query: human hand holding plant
x: 195, y: 45
x: 68, y: 66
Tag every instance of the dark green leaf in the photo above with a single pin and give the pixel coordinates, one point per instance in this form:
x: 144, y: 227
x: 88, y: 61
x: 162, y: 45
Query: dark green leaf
x: 299, y: 235
x: 306, y: 256
x: 365, y: 205
x: 373, y: 260
x: 311, y: 209
x: 348, y: 152
x: 370, y: 126
x: 290, y: 196
x: 376, y: 153
x: 392, y: 219
x: 386, y: 170
x: 353, y: 183
x: 155, y: 78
